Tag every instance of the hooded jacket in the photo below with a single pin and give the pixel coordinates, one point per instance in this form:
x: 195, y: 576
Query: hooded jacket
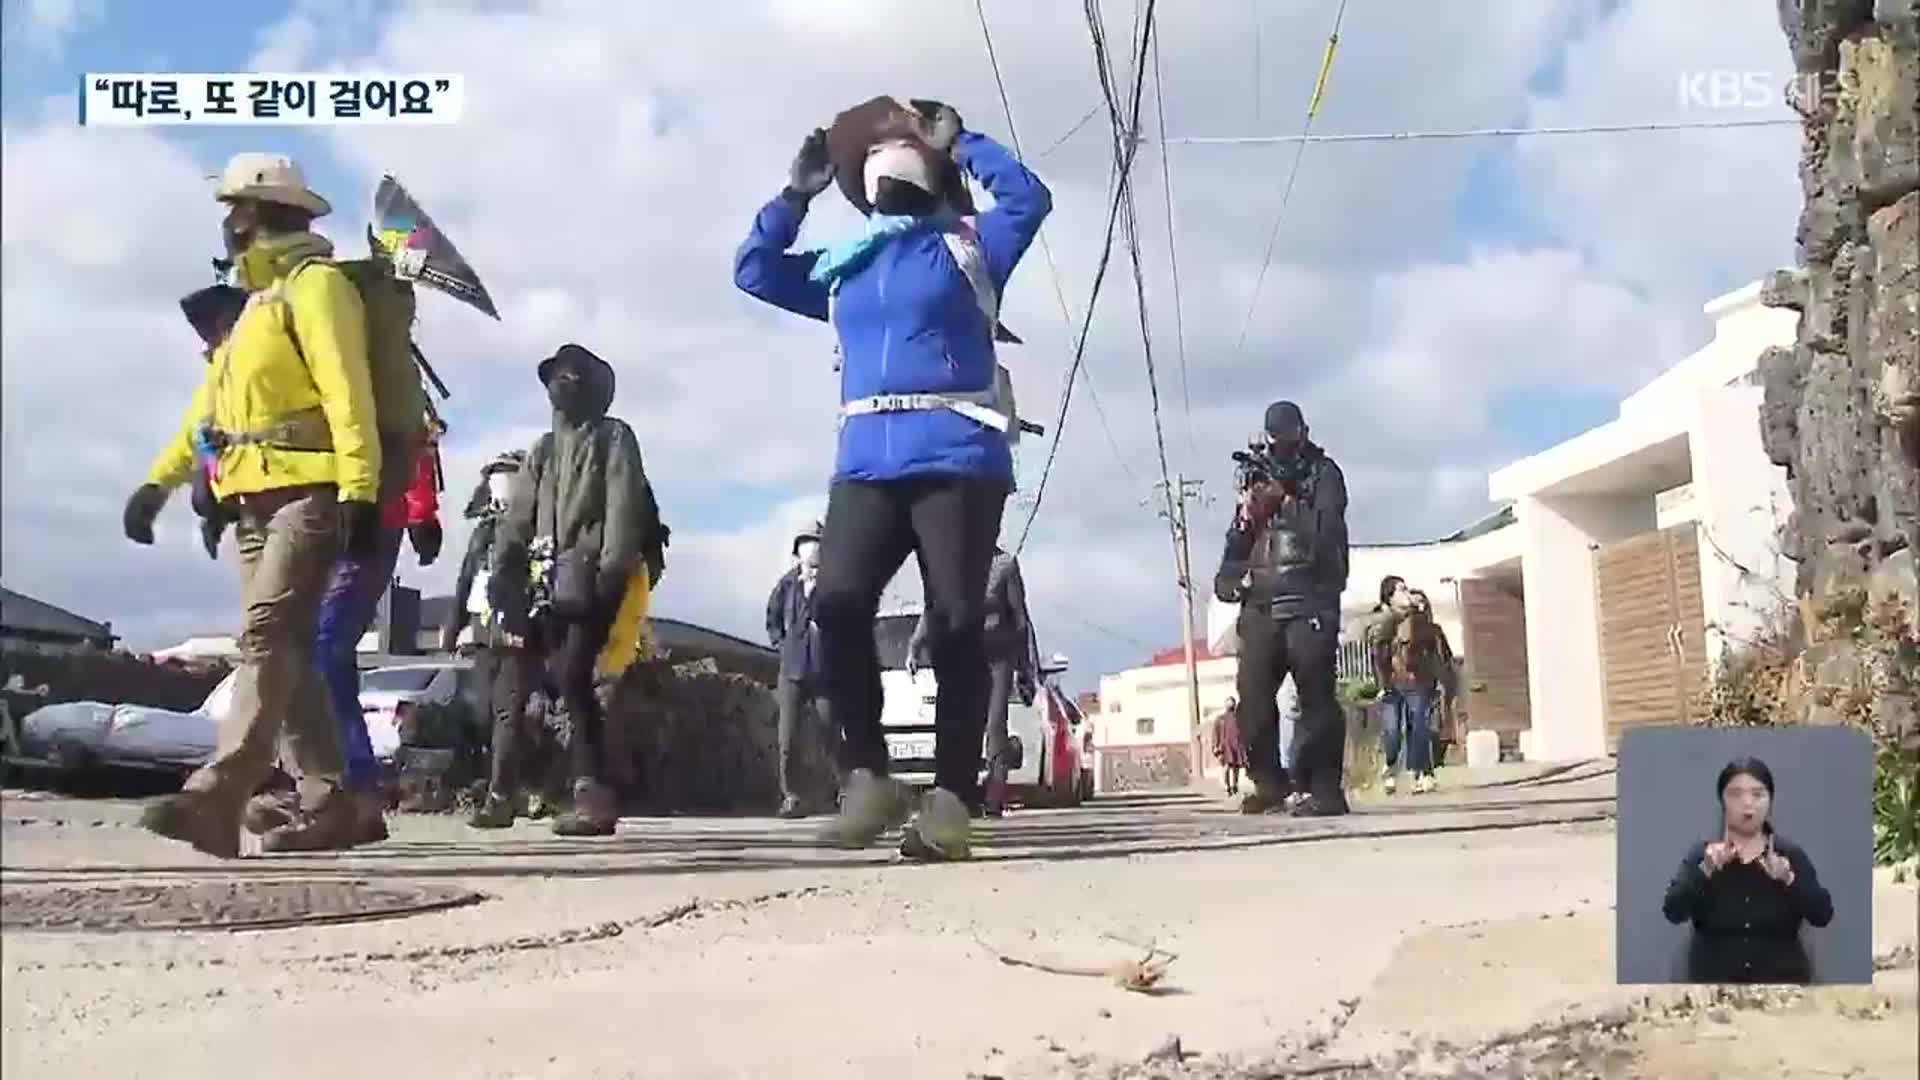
x: 295, y: 415
x: 585, y: 489
x: 909, y: 322
x: 1296, y: 551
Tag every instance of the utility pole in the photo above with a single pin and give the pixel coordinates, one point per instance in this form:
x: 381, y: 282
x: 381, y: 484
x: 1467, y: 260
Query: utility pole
x: 1175, y: 497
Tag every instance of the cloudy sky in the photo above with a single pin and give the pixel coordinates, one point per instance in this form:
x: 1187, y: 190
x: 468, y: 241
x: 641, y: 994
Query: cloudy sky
x: 1439, y: 308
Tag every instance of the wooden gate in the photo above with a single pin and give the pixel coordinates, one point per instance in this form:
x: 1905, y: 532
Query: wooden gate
x: 1493, y: 620
x: 1652, y: 629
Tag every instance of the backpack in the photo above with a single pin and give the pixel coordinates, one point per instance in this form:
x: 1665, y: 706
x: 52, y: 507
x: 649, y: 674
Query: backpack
x: 399, y: 399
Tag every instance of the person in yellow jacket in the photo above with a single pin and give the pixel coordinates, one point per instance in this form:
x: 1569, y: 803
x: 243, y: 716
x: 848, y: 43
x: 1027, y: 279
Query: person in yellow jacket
x: 290, y: 430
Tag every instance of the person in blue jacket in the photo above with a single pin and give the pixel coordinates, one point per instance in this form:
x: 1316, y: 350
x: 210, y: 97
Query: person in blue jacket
x: 924, y: 465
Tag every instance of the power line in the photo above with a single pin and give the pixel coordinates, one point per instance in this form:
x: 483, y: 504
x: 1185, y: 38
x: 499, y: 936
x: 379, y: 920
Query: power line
x: 1173, y: 258
x: 1053, y: 269
x: 1071, y: 132
x: 1293, y: 174
x: 1473, y: 133
x: 1127, y: 155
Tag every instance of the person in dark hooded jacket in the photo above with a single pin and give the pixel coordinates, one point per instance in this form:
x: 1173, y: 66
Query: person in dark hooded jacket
x: 924, y: 464
x: 1285, y: 562
x: 580, y: 524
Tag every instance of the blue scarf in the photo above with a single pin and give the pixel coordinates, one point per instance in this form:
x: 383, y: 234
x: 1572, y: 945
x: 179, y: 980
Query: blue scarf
x: 835, y: 264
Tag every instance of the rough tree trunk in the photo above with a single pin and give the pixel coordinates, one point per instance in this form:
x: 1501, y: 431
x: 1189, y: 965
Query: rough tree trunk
x: 1843, y: 404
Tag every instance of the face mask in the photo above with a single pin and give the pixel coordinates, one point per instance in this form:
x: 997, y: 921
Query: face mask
x: 499, y: 487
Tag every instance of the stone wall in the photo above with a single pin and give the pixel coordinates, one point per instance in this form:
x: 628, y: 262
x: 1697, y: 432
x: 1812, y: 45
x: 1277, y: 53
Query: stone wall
x: 1145, y: 768
x: 1843, y: 404
x: 117, y: 678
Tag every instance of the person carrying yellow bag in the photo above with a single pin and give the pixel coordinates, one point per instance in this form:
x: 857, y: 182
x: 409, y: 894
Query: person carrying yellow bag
x: 576, y: 556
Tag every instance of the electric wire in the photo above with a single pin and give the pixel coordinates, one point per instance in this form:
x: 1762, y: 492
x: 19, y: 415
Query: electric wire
x: 1046, y: 250
x: 1099, y: 278
x: 1293, y: 174
x: 1173, y: 257
x: 1474, y: 133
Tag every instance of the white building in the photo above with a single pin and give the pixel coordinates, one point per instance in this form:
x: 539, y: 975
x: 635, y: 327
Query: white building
x: 1599, y: 597
x: 1650, y: 543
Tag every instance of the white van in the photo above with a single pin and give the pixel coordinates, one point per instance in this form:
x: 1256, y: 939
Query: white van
x: 906, y: 716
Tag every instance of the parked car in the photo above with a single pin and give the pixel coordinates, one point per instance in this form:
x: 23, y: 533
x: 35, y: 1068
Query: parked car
x: 1044, y: 766
x: 76, y: 736
x: 391, y: 697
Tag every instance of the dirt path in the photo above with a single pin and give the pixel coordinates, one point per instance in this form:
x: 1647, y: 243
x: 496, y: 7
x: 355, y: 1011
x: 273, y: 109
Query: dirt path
x: 722, y: 949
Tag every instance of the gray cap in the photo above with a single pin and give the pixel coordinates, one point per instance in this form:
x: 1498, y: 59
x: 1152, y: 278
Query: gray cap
x: 1284, y: 421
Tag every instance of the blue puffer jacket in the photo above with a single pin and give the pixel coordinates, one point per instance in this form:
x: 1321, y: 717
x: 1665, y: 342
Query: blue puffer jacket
x: 909, y: 323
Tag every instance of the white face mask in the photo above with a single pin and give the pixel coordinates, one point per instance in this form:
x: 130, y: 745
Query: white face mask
x: 809, y: 562
x: 499, y: 486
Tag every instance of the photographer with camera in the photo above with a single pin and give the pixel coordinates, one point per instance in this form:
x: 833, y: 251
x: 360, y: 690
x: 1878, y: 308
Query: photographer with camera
x: 1285, y: 563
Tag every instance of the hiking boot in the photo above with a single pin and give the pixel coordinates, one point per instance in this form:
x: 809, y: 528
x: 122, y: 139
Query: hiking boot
x: 593, y: 813
x: 370, y: 814
x: 1269, y: 794
x: 495, y: 813
x: 1388, y: 781
x: 270, y: 810
x: 1314, y: 806
x: 332, y: 825
x: 1423, y: 784
x: 871, y: 805
x: 939, y: 832
x: 1259, y: 801
x: 198, y: 818
x: 790, y: 809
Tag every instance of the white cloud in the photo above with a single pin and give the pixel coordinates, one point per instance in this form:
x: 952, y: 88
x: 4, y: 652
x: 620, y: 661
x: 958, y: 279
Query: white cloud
x: 44, y: 26
x: 612, y: 156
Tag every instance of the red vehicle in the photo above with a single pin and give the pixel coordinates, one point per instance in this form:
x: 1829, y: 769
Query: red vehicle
x: 1062, y: 776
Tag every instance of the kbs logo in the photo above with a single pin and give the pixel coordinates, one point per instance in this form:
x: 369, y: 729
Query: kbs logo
x: 1724, y: 88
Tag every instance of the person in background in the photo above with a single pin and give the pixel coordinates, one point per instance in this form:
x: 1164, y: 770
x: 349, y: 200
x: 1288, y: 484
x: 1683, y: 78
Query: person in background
x: 1411, y: 664
x: 1447, y: 684
x: 581, y: 532
x: 505, y: 670
x: 1228, y: 750
x: 1747, y: 893
x: 924, y: 464
x: 1285, y: 563
x: 791, y: 631
x: 297, y: 453
x: 1012, y: 669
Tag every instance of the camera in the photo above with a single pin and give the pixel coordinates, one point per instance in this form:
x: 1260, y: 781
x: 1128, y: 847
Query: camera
x: 1259, y: 466
x: 1254, y: 465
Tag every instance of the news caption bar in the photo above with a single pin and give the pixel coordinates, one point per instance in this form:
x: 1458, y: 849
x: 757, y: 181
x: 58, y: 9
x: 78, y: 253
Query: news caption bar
x: 150, y: 99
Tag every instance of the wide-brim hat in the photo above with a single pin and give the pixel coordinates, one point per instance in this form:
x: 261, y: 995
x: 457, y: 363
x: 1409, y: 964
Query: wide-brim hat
x: 570, y: 351
x: 274, y: 178
x: 810, y: 534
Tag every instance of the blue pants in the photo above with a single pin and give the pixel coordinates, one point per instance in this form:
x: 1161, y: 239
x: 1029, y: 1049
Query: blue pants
x: 1408, y: 714
x: 347, y: 609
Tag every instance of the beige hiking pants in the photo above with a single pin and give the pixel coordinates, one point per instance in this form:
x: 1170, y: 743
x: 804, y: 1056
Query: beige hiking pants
x: 289, y: 539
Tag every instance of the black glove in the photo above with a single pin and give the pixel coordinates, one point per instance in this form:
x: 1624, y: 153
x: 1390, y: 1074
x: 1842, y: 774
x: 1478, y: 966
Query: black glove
x: 210, y: 530
x: 656, y: 567
x: 142, y: 507
x: 1228, y: 590
x: 426, y: 538
x: 942, y: 124
x: 812, y: 168
x: 359, y: 529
